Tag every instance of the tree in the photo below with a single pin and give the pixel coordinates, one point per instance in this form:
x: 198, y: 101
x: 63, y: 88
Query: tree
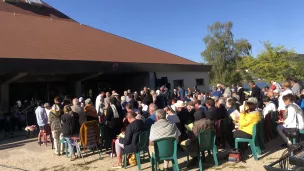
x: 222, y: 52
x: 273, y: 63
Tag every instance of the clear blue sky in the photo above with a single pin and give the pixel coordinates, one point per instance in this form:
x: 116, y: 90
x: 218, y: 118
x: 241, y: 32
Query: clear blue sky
x: 178, y: 26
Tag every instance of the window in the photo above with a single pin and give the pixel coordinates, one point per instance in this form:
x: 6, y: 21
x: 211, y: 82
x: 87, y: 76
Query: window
x: 200, y: 82
x: 177, y: 83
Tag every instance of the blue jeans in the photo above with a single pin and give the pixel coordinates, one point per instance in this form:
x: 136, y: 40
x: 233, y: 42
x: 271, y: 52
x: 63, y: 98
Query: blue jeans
x: 70, y: 143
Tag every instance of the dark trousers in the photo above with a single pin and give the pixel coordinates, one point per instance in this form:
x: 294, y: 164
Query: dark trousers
x: 242, y: 134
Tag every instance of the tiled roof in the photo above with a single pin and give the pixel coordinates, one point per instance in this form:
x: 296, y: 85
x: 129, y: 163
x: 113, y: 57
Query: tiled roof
x: 52, y: 35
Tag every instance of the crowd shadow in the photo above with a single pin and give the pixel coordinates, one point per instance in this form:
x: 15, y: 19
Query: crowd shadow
x: 15, y: 144
x: 11, y: 167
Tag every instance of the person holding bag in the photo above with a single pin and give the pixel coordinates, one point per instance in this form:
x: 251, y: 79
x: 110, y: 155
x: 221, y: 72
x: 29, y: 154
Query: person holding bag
x: 293, y: 120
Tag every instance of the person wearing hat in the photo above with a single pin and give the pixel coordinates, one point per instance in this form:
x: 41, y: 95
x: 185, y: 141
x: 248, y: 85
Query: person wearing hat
x: 191, y: 144
x: 183, y: 115
x: 249, y: 116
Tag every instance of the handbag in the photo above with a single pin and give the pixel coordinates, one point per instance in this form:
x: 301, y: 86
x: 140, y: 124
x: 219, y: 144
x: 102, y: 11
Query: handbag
x: 235, y: 155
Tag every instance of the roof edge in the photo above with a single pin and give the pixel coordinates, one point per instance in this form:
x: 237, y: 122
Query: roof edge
x: 91, y: 27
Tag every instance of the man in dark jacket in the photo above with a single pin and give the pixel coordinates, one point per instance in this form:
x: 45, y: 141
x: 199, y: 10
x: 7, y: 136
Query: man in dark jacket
x: 240, y: 92
x: 255, y: 92
x: 212, y: 112
x: 129, y: 143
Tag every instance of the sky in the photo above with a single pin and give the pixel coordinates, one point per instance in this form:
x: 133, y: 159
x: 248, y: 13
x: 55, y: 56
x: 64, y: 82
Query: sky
x: 179, y: 26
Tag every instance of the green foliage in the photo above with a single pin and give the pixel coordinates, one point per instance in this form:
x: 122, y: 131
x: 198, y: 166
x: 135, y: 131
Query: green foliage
x: 273, y: 63
x: 223, y: 53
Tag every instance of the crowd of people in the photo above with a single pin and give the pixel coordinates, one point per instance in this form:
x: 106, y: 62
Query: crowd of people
x: 164, y: 113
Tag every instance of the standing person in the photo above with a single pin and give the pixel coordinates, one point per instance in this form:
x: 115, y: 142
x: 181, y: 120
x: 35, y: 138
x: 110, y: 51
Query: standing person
x: 285, y: 90
x: 90, y: 111
x: 215, y: 92
x: 227, y: 91
x: 275, y: 86
x: 55, y: 122
x: 180, y: 92
x: 57, y: 101
x: 47, y: 108
x: 294, y: 118
x: 189, y: 92
x: 79, y: 110
x: 296, y: 88
x: 240, y: 92
x: 98, y: 98
x: 183, y: 115
x: 148, y: 99
x: 195, y: 90
x: 301, y: 101
x: 107, y: 100
x: 67, y: 129
x: 128, y: 144
x: 162, y: 128
x: 255, y: 92
x: 174, y: 94
x: 41, y: 116
x: 113, y: 119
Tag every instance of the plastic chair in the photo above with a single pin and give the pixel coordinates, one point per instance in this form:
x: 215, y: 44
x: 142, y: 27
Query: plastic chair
x: 62, y: 141
x: 250, y: 141
x: 143, y: 138
x: 260, y: 139
x: 164, y: 149
x: 206, y: 141
x: 45, y: 133
x: 294, y: 140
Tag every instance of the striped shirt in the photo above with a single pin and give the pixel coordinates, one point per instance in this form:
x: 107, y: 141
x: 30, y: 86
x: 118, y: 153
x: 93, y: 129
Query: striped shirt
x: 163, y: 129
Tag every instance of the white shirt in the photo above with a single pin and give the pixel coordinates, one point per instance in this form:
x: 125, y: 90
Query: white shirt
x: 268, y: 108
x: 278, y: 87
x: 281, y: 102
x: 97, y: 102
x: 293, y: 115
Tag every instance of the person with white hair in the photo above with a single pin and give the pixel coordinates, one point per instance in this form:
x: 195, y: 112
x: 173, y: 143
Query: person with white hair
x: 162, y: 128
x: 90, y: 110
x: 79, y: 110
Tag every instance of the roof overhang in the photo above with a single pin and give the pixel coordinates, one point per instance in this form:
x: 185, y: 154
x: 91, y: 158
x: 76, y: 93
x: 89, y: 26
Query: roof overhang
x: 9, y: 65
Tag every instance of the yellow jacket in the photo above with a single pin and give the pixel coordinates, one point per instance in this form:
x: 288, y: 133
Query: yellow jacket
x: 248, y: 120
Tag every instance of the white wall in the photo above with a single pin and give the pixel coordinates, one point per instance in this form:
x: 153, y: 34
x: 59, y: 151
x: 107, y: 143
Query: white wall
x: 188, y: 77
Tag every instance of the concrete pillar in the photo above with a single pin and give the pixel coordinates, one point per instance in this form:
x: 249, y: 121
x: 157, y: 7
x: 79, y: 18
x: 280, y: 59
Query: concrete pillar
x: 152, y: 80
x: 5, y: 97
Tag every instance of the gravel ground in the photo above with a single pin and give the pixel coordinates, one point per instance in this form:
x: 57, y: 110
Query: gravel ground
x: 20, y: 153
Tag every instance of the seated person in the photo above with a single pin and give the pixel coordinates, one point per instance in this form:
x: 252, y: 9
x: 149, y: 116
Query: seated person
x: 294, y: 118
x: 200, y: 124
x: 152, y: 118
x: 128, y: 144
x: 269, y: 106
x: 248, y: 118
x: 211, y: 112
x: 162, y: 128
x: 171, y: 115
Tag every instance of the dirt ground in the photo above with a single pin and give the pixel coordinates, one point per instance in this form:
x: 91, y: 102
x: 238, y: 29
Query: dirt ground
x: 20, y: 153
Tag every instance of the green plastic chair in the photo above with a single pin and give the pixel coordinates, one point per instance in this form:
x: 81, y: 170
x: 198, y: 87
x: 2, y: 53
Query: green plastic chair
x: 143, y: 138
x: 164, y: 149
x: 260, y: 143
x: 62, y: 141
x: 294, y: 140
x: 206, y: 141
x: 251, y: 141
